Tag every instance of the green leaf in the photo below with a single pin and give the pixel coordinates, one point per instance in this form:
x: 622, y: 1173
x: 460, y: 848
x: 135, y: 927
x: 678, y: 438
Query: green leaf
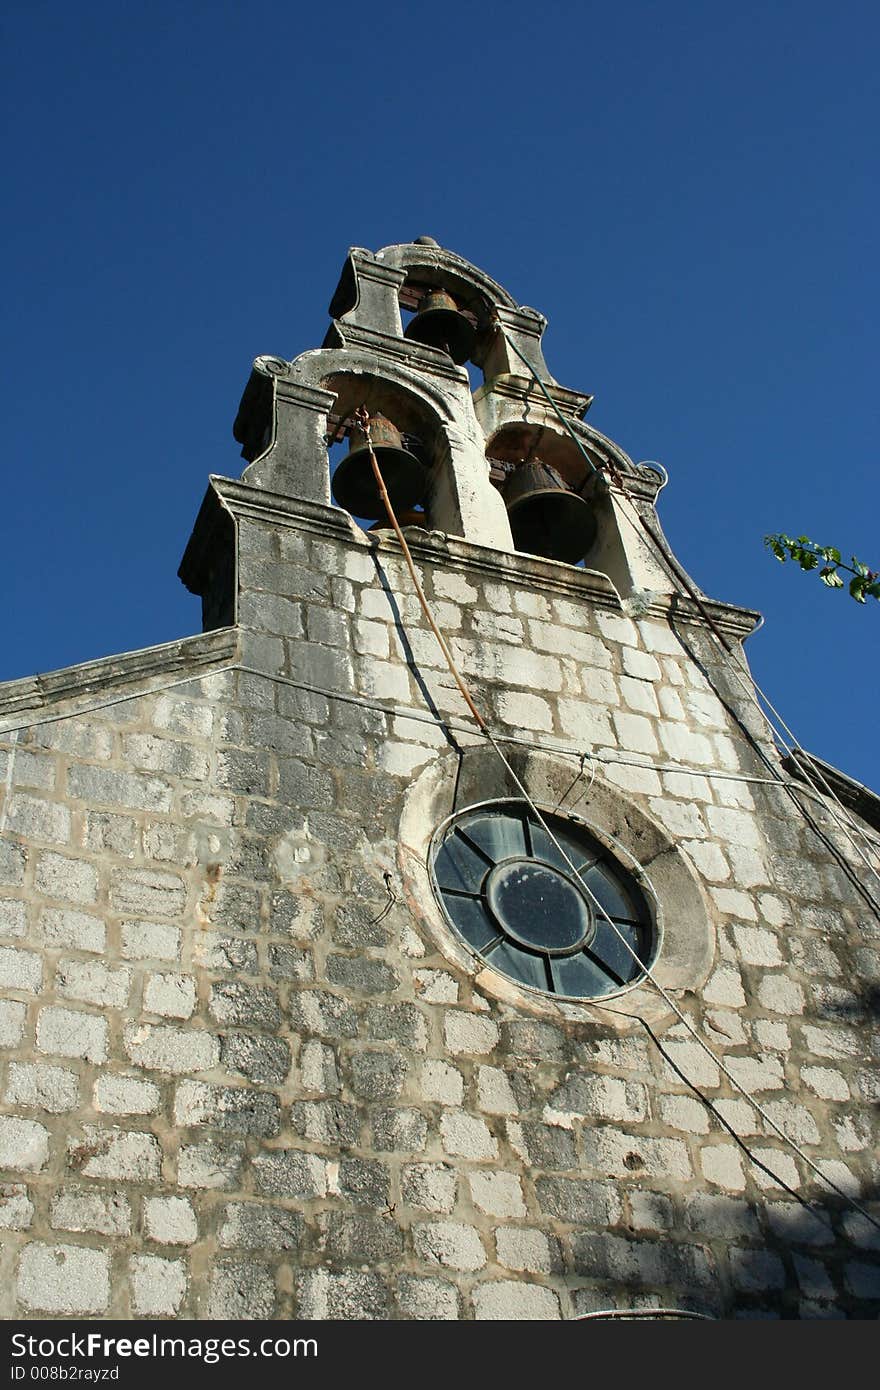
x: 874, y: 589
x: 807, y: 559
x: 830, y: 577
x: 857, y: 588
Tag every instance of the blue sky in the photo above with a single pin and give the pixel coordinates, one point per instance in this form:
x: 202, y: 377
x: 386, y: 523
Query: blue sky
x: 687, y: 191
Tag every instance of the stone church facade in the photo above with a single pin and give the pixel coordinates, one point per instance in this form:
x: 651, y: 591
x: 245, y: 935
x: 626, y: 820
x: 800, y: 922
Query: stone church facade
x: 321, y: 1002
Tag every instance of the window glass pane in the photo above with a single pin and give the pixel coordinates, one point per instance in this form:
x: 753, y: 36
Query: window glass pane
x: 498, y: 873
x: 519, y: 965
x: 459, y: 866
x: 608, y: 893
x: 579, y: 976
x: 472, y: 921
x: 499, y: 836
x: 610, y: 949
x: 544, y: 848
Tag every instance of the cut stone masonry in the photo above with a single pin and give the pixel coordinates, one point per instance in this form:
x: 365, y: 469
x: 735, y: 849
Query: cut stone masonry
x: 248, y: 1068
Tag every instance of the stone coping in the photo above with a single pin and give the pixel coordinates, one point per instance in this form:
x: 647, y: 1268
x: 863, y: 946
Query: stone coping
x: 187, y: 654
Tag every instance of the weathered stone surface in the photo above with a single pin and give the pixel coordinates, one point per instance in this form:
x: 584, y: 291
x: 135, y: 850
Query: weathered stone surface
x: 251, y: 1071
x: 64, y: 1279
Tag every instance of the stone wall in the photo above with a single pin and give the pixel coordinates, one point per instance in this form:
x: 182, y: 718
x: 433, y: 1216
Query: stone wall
x: 247, y: 1069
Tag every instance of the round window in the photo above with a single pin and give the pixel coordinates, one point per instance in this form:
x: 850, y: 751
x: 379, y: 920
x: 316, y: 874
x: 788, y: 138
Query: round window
x: 557, y: 914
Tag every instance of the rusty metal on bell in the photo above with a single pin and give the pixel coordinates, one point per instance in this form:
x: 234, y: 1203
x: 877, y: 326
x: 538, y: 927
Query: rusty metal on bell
x: 546, y: 517
x: 354, y: 483
x: 441, y: 324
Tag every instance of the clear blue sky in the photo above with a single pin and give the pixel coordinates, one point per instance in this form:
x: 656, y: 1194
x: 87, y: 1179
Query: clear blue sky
x: 687, y: 190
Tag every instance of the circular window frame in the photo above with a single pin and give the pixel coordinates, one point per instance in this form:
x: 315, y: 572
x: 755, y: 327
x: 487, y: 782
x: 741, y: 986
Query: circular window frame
x: 612, y: 850
x: 684, y: 919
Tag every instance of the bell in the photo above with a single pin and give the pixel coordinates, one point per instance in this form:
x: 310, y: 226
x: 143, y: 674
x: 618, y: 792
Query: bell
x: 354, y: 483
x: 441, y: 325
x: 546, y: 517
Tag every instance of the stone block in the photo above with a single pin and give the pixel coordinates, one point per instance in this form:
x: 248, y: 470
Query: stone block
x: 361, y: 974
x: 579, y: 1201
x: 378, y: 1075
x: 24, y: 1145
x: 441, y: 1083
x: 70, y: 880
x: 346, y: 1296
x: 404, y: 1131
x: 363, y: 1181
x: 105, y: 786
x: 13, y: 917
x: 290, y: 1173
x: 527, y: 1251
x: 41, y: 1087
x: 89, y: 1209
x: 620, y: 1155
x: 497, y: 1194
x: 70, y: 1033
x: 212, y: 1164
x: 431, y: 1186
x: 121, y: 1155
x: 170, y: 1220
x: 256, y: 1057
x: 327, y: 1015
x: 149, y: 941
x: 400, y: 1023
x: 170, y: 995
x: 12, y: 1021
x: 46, y: 822
x: 429, y: 1300
x: 16, y: 1207
x: 172, y: 1050
x: 467, y: 1136
x: 330, y: 1122
x: 362, y: 1238
x: 157, y: 1286
x: 64, y: 1279
x: 451, y: 1244
x: 469, y: 1033
x: 125, y: 1095
x: 251, y: 1226
x: 543, y: 1146
x: 510, y: 1300
x: 93, y: 982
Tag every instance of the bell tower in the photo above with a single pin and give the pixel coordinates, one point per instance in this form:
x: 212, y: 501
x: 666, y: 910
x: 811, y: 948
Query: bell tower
x: 443, y: 933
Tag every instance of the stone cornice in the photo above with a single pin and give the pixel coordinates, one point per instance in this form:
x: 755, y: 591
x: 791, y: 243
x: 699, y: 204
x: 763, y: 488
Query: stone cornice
x: 195, y: 655
x: 434, y: 547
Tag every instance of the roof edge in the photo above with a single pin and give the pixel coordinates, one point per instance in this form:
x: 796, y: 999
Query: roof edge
x: 31, y: 694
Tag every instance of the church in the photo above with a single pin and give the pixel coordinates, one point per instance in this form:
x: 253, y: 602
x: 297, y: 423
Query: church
x: 445, y: 932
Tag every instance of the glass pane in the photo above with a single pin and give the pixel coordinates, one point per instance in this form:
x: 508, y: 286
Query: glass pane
x: 537, y: 906
x: 579, y: 977
x: 459, y: 866
x: 472, y: 921
x: 544, y: 848
x: 519, y: 965
x: 499, y: 836
x: 608, y: 893
x: 610, y: 949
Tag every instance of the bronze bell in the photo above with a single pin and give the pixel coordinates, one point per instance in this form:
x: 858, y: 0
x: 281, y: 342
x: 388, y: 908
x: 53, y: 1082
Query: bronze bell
x: 546, y: 517
x: 440, y: 324
x: 354, y: 483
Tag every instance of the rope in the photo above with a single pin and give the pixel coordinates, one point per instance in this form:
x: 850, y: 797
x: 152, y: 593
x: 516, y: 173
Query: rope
x: 647, y: 971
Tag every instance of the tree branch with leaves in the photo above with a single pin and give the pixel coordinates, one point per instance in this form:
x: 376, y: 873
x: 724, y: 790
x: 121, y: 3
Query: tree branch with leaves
x: 865, y: 583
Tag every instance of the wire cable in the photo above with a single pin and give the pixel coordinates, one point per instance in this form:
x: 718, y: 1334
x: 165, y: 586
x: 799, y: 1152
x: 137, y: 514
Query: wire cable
x: 646, y: 969
x: 745, y: 677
